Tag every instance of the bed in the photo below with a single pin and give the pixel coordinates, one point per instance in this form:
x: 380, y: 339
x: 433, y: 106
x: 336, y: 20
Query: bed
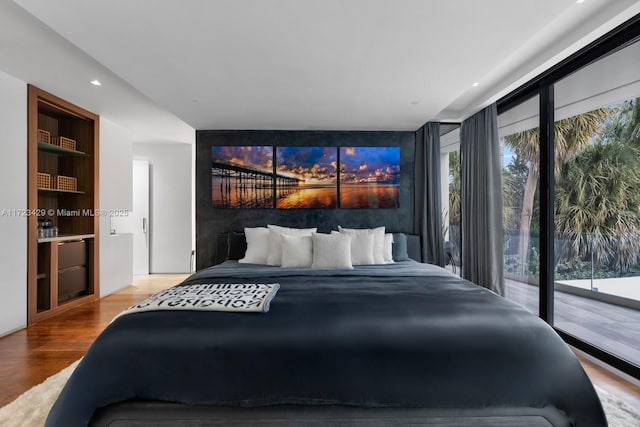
x: 379, y: 345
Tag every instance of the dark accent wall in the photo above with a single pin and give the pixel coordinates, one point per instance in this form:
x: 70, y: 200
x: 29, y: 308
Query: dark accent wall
x: 211, y: 221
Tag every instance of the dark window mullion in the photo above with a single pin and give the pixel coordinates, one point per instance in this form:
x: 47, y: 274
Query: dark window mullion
x: 547, y: 229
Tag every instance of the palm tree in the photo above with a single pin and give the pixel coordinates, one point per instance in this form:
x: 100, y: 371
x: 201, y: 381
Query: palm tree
x: 571, y: 136
x: 454, y: 203
x: 514, y: 177
x: 626, y: 127
x: 454, y: 188
x: 597, y: 206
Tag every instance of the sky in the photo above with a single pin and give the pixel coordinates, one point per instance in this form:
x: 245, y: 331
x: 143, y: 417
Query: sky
x: 315, y: 165
x: 507, y: 155
x: 253, y: 157
x: 370, y: 164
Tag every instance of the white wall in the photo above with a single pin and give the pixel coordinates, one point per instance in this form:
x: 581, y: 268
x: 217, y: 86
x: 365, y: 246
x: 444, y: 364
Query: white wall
x: 115, y: 188
x: 116, y: 251
x: 13, y: 179
x: 171, y: 217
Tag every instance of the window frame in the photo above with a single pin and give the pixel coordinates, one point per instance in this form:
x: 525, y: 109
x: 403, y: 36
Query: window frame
x: 543, y: 86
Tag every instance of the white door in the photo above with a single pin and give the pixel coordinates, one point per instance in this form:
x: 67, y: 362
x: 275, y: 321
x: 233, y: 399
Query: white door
x: 137, y: 222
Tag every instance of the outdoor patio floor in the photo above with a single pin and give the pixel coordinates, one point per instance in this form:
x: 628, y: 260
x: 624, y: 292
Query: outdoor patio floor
x: 613, y: 328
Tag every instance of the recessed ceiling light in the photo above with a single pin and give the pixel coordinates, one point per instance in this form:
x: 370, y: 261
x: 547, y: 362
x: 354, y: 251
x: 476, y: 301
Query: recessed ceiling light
x: 475, y: 84
x: 579, y: 1
x: 96, y: 82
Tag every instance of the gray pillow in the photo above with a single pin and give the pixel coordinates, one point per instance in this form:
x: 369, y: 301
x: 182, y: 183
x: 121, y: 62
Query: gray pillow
x: 399, y: 248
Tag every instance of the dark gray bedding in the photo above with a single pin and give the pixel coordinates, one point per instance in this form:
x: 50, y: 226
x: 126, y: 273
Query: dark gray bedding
x: 406, y: 335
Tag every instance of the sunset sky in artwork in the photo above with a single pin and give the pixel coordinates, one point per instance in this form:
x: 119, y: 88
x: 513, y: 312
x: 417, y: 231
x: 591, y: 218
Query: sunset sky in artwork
x: 370, y: 165
x: 316, y: 165
x: 252, y: 157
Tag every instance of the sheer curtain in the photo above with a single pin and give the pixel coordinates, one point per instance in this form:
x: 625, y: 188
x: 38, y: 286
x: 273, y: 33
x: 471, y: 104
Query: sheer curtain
x: 481, y: 194
x: 428, y: 210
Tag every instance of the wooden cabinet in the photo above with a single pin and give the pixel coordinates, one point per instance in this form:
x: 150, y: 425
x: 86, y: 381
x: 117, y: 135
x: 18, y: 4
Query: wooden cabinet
x: 62, y: 190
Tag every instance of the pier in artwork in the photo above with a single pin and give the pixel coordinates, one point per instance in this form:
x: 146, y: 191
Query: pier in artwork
x: 236, y: 186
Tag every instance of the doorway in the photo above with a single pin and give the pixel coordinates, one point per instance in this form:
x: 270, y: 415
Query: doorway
x: 137, y: 222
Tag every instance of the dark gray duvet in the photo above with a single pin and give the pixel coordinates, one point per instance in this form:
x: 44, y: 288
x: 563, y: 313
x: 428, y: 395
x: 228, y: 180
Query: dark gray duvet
x: 404, y: 335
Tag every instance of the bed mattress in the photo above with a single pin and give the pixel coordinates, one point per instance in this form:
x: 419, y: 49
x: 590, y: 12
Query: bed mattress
x: 401, y: 336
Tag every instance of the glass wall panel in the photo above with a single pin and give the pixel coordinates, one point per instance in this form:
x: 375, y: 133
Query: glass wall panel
x: 597, y: 204
x: 518, y: 130
x: 453, y: 242
x: 450, y: 188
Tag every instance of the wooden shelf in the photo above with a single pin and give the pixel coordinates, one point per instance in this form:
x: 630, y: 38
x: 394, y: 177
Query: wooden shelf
x: 54, y: 190
x: 51, y: 286
x: 66, y: 238
x: 59, y: 151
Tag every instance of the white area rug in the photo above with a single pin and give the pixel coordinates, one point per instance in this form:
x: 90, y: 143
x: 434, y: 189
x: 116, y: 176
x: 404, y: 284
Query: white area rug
x: 619, y: 413
x: 32, y: 407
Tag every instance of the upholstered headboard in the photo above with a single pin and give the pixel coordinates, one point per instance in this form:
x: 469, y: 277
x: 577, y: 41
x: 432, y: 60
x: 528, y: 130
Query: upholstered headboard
x: 211, y: 220
x: 414, y: 247
x: 233, y: 245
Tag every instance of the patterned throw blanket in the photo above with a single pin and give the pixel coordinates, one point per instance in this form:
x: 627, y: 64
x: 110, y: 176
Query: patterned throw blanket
x: 236, y: 297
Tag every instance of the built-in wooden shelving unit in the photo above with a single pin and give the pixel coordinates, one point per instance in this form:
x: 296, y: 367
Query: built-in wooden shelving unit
x: 63, y: 141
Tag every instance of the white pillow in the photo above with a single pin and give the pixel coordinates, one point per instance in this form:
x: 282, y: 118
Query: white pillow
x: 274, y: 253
x: 378, y: 241
x: 378, y: 245
x: 297, y: 251
x: 331, y: 251
x: 388, y: 248
x: 362, y: 241
x: 257, y: 245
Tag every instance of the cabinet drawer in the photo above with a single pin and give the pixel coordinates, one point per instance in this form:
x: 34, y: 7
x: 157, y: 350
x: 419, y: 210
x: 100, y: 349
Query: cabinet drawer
x: 72, y: 254
x: 72, y: 282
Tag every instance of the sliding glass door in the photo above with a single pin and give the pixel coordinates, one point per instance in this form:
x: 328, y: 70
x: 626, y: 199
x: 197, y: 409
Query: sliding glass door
x: 581, y: 233
x: 597, y: 204
x: 518, y: 130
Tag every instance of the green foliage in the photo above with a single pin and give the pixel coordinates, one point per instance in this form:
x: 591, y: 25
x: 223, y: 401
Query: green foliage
x: 514, y: 178
x: 512, y: 261
x: 581, y: 269
x: 597, y: 192
x: 576, y: 269
x: 572, y: 135
x: 625, y: 126
x: 533, y: 266
x: 454, y: 188
x: 598, y: 206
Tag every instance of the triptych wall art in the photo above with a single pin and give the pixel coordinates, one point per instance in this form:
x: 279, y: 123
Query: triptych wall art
x: 305, y: 177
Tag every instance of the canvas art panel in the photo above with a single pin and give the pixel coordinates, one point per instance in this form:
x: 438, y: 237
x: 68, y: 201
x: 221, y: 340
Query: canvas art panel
x: 242, y: 176
x: 369, y: 177
x: 295, y: 177
x: 307, y: 177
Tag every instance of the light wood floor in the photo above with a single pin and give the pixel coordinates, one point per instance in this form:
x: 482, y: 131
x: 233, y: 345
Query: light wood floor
x: 29, y: 356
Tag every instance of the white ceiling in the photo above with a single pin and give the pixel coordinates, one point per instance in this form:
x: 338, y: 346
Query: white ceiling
x: 35, y: 54
x: 298, y: 64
